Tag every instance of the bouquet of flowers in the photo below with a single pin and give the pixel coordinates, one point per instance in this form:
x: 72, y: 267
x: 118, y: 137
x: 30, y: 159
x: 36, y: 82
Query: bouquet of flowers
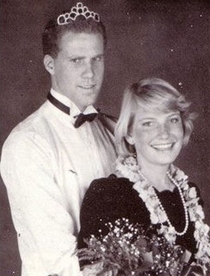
x: 130, y: 250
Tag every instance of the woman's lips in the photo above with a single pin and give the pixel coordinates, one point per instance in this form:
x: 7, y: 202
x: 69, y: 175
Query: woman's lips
x: 165, y: 146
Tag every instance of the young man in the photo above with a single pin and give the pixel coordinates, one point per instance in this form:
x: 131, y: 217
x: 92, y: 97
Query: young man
x: 49, y: 160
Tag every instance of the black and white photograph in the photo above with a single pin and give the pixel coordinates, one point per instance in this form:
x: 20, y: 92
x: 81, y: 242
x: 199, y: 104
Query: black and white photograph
x: 105, y: 138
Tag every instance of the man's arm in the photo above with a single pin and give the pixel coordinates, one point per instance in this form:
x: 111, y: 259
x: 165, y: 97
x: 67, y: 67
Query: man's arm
x: 44, y: 227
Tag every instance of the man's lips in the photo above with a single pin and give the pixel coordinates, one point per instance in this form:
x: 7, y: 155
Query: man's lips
x: 89, y: 86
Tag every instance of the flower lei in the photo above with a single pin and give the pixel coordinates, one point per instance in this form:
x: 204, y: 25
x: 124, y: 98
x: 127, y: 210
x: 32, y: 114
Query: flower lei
x: 128, y: 168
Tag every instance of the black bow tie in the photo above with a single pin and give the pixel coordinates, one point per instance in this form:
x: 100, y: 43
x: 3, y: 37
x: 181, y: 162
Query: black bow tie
x: 81, y: 118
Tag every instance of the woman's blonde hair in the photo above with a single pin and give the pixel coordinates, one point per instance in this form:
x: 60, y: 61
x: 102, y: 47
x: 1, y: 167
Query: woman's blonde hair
x: 151, y: 93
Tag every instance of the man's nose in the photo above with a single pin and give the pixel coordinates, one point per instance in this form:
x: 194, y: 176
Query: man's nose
x: 88, y: 70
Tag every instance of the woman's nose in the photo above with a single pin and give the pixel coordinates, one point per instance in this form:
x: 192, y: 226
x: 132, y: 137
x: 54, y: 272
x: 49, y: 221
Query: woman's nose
x: 164, y: 130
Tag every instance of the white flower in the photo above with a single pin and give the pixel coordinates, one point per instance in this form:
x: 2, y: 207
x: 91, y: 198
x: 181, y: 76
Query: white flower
x: 199, y: 212
x: 153, y: 218
x: 180, y: 176
x: 144, y: 195
x: 192, y: 202
x: 130, y: 161
x: 129, y: 168
x: 137, y: 186
x: 202, y: 230
x: 161, y: 215
x: 151, y: 202
x: 192, y: 192
x: 169, y: 233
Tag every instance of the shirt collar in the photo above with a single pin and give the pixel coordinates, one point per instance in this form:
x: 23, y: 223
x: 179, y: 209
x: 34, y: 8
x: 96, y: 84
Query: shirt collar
x: 74, y: 110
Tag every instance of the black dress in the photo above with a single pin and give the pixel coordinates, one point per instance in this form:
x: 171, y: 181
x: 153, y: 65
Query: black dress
x: 109, y: 199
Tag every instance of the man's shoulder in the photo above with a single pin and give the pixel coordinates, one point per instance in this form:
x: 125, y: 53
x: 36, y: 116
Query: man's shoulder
x: 108, y: 121
x: 107, y: 116
x: 29, y: 127
x: 32, y: 119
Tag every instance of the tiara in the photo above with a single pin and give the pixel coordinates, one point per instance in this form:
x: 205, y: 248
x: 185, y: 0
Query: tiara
x: 76, y: 11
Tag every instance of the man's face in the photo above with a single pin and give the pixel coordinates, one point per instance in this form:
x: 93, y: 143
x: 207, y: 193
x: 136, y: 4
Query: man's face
x: 79, y: 68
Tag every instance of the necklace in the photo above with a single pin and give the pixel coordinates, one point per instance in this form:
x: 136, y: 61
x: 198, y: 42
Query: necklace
x: 163, y: 209
x: 193, y: 210
x: 184, y: 206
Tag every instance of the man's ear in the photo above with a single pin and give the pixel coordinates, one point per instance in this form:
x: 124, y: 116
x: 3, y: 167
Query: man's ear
x: 129, y: 138
x: 49, y: 64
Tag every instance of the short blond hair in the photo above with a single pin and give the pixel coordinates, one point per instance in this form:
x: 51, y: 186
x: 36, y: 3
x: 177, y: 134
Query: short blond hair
x: 150, y: 93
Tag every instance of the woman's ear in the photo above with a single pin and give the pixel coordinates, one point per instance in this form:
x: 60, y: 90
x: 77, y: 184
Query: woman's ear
x: 49, y: 64
x: 129, y: 138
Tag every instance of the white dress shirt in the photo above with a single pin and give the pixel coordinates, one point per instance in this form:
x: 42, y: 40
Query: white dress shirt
x: 47, y: 165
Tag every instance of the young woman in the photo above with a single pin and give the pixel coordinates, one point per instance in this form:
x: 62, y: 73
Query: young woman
x: 153, y: 127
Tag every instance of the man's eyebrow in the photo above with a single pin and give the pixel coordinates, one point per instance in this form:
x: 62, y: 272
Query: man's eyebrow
x: 83, y: 57
x: 76, y: 56
x: 99, y: 55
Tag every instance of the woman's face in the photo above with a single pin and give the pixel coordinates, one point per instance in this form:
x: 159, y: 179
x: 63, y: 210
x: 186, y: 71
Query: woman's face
x: 157, y: 136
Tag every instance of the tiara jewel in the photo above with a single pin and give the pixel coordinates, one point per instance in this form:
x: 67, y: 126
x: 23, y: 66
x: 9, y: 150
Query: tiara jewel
x: 76, y: 11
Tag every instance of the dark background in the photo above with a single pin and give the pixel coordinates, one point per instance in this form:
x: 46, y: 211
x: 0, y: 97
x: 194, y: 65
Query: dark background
x: 166, y: 39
